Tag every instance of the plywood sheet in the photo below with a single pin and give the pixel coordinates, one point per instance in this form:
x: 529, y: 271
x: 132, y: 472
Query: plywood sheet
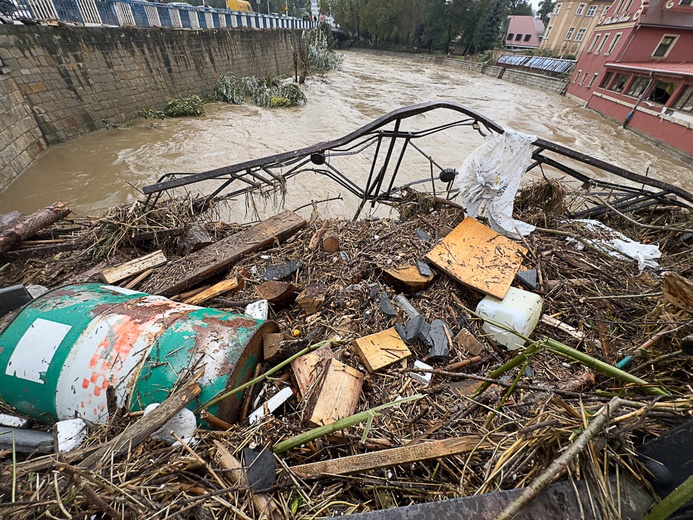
x: 381, y: 349
x: 477, y: 256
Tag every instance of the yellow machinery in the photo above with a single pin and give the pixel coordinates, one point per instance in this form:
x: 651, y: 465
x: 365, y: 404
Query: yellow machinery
x: 238, y: 5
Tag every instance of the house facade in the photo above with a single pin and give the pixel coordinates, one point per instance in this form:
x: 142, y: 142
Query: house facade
x: 637, y: 69
x: 523, y: 32
x: 571, y: 25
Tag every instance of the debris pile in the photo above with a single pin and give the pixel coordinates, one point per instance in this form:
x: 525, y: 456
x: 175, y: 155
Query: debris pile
x: 382, y: 385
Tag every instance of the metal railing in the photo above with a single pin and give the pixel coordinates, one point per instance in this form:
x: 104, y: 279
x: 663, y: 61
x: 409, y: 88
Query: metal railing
x: 142, y: 13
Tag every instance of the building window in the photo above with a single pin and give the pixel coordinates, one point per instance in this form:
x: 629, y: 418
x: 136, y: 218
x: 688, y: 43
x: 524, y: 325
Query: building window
x: 685, y: 100
x: 557, y: 9
x: 619, y: 83
x: 661, y: 92
x: 664, y: 47
x: 607, y: 79
x: 601, y: 45
x: 569, y: 34
x: 510, y: 36
x: 548, y: 32
x: 580, y: 9
x: 577, y: 75
x: 595, y: 42
x: 637, y: 87
x: 589, y: 85
x: 686, y: 2
x: 584, y: 77
x: 614, y: 43
x: 527, y: 37
x: 590, y: 11
x: 518, y: 37
x: 580, y: 35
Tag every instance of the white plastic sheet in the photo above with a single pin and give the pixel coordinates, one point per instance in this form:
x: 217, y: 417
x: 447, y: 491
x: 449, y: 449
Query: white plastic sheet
x: 490, y: 177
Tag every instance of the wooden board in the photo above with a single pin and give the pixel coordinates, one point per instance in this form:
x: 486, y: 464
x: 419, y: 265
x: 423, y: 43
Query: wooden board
x: 381, y: 349
x: 312, y: 298
x: 391, y: 457
x: 197, y: 267
x: 138, y: 265
x: 306, y: 368
x: 231, y: 285
x: 407, y: 279
x: 477, y: 256
x: 335, y: 394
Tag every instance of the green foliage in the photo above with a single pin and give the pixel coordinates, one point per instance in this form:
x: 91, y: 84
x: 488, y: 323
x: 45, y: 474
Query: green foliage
x: 182, y: 107
x: 545, y: 9
x: 267, y: 93
x: 321, y: 56
x: 487, y: 32
x: 148, y: 113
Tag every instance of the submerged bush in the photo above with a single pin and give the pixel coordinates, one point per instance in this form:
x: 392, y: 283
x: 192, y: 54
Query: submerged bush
x: 178, y: 107
x: 268, y: 93
x: 321, y: 56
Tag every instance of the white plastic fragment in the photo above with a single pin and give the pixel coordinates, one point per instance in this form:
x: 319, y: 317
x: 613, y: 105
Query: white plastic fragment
x: 272, y: 404
x: 422, y: 377
x: 70, y: 434
x: 490, y: 177
x: 620, y: 246
x: 183, y: 424
x: 12, y: 421
x: 258, y: 310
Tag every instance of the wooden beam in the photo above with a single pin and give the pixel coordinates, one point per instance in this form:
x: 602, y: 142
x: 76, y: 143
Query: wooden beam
x: 138, y: 265
x: 25, y: 228
x: 232, y: 285
x: 200, y: 265
x: 391, y: 457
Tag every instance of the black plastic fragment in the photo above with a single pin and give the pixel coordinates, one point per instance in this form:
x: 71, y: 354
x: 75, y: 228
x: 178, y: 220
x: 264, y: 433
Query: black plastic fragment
x: 281, y: 271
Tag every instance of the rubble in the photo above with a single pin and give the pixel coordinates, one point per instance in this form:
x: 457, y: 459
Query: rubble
x: 400, y: 401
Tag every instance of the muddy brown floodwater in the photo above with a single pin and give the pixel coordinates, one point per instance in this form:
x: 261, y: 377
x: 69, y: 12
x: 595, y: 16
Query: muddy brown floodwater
x: 106, y: 168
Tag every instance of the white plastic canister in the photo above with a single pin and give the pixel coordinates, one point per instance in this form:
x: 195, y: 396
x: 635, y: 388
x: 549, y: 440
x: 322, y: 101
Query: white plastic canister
x: 519, y: 310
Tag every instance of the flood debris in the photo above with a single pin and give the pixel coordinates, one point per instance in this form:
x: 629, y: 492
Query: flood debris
x: 375, y: 386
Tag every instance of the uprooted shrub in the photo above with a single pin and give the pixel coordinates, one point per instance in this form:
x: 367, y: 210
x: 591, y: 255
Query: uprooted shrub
x: 175, y: 107
x: 267, y: 93
x: 321, y: 56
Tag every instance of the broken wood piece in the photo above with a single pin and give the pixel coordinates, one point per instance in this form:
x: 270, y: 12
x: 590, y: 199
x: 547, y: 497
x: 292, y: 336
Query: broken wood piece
x: 678, y: 291
x: 407, y: 279
x: 381, y: 349
x: 29, y: 226
x: 463, y: 363
x: 231, y: 285
x: 271, y: 404
x: 468, y: 342
x: 476, y: 256
x: 392, y: 457
x: 270, y: 344
x: 214, y: 421
x: 316, y: 239
x: 306, y: 368
x: 330, y: 242
x: 200, y: 265
x: 137, y: 432
x: 335, y: 394
x: 194, y: 238
x: 236, y: 473
x: 312, y: 298
x: 137, y: 279
x: 133, y: 267
x: 568, y: 329
x: 277, y: 293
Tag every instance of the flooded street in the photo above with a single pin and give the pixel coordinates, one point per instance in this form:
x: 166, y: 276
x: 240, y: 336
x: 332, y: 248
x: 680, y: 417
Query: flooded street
x: 106, y: 168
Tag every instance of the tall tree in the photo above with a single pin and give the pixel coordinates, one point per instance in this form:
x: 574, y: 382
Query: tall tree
x: 520, y: 8
x: 437, y: 25
x: 489, y: 27
x: 545, y: 9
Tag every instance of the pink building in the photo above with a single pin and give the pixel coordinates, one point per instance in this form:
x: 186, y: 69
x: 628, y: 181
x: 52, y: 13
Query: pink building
x: 638, y: 69
x: 524, y: 32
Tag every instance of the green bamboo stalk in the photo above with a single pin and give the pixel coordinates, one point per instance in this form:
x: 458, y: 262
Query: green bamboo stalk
x: 352, y: 420
x: 672, y: 502
x: 221, y: 396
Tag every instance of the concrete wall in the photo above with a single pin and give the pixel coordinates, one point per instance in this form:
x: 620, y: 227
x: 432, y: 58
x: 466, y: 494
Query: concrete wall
x: 75, y: 79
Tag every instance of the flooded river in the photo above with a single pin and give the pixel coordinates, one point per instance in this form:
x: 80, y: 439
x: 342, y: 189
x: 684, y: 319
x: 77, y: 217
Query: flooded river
x: 106, y: 168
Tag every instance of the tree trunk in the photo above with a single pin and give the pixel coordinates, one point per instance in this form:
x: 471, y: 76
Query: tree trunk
x: 42, y: 218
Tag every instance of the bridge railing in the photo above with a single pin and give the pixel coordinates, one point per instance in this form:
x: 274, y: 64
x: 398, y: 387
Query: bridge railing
x: 150, y: 14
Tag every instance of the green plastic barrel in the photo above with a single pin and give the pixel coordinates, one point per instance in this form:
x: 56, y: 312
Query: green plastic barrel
x: 65, y: 349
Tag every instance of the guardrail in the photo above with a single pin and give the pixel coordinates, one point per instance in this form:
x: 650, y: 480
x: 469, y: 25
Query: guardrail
x: 149, y: 14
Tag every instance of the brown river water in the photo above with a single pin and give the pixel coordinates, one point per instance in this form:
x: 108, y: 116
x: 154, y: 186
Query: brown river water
x: 104, y: 169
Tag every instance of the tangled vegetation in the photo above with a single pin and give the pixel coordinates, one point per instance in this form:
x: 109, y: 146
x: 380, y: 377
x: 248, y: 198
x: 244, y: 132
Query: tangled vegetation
x: 268, y: 93
x: 175, y: 107
x: 321, y: 54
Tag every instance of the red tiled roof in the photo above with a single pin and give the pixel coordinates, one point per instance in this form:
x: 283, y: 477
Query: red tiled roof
x: 678, y: 69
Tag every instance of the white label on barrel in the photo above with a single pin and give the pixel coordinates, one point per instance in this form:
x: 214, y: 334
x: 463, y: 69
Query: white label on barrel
x: 35, y: 350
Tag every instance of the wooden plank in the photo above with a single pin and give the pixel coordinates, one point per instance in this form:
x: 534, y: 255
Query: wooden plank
x: 381, y: 349
x: 335, y: 394
x: 477, y: 256
x: 200, y: 265
x: 407, y: 279
x: 391, y: 457
x: 231, y: 285
x: 138, y: 265
x: 306, y: 368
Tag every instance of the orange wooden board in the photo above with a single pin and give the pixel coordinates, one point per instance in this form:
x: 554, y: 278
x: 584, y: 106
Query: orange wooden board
x: 477, y: 256
x: 381, y: 349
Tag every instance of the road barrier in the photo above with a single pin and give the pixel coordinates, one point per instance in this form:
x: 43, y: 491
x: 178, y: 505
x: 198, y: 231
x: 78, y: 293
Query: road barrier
x: 150, y: 14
